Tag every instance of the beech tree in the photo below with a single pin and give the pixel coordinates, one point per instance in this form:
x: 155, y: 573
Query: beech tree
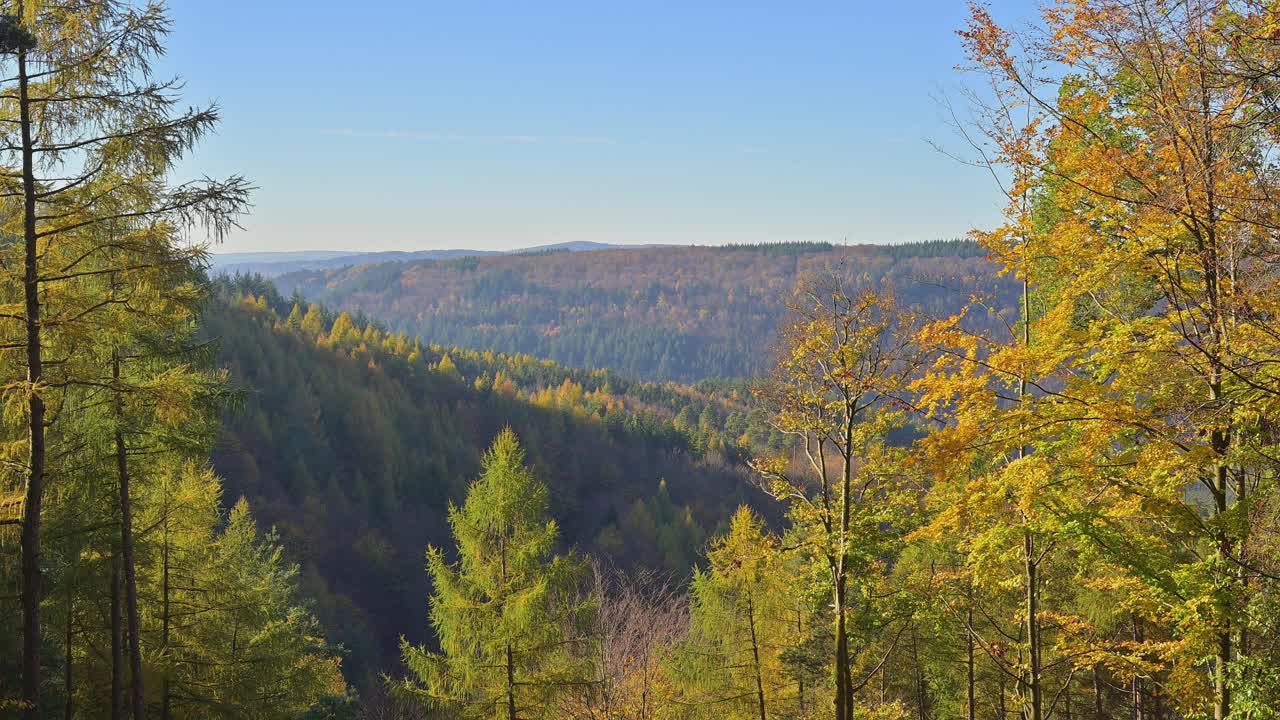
x: 838, y: 390
x: 1141, y: 197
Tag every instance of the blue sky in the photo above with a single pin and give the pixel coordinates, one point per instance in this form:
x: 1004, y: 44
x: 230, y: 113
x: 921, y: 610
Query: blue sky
x: 411, y: 125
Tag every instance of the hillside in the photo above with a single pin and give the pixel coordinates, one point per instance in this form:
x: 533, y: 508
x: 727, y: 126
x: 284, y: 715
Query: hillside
x: 352, y: 443
x: 685, y: 314
x: 271, y: 264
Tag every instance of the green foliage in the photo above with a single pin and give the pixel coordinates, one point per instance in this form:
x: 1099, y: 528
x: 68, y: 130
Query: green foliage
x: 778, y: 249
x: 353, y: 450
x: 745, y: 619
x: 229, y: 628
x: 508, y: 615
x: 106, y: 398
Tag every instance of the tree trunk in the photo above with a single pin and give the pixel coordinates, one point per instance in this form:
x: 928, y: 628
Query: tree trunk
x: 1099, y: 709
x: 117, y: 642
x: 1220, y: 442
x: 1002, y: 710
x: 922, y: 695
x: 1035, y: 695
x: 755, y: 658
x: 1222, y: 690
x: 1035, y: 690
x: 800, y: 634
x: 1139, y: 704
x: 137, y: 696
x: 165, y: 709
x: 844, y: 680
x: 511, y: 684
x: 971, y: 695
x: 31, y: 575
x: 843, y: 709
x: 68, y: 706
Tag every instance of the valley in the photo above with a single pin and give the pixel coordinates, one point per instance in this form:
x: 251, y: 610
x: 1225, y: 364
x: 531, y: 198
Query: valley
x: 520, y: 375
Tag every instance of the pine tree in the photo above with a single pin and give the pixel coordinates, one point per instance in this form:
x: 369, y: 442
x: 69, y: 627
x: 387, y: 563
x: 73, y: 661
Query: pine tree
x: 508, y: 614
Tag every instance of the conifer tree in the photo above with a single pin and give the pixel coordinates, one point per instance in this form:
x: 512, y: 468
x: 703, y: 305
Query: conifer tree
x: 742, y: 625
x: 313, y: 322
x: 509, y: 614
x: 90, y: 137
x: 294, y: 321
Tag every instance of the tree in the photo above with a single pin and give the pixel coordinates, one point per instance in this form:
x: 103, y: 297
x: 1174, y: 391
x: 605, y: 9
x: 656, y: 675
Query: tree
x: 294, y: 321
x: 262, y: 647
x: 89, y: 140
x: 1139, y: 196
x: 636, y: 631
x: 509, y: 614
x: 742, y: 625
x: 837, y: 390
x: 313, y: 322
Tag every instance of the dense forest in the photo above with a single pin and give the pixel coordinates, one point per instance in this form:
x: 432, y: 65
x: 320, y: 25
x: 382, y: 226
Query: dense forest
x: 133, y: 584
x: 1029, y: 475
x: 686, y: 314
x: 353, y: 441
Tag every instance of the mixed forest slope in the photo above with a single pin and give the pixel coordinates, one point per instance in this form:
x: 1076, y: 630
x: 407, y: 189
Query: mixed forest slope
x: 353, y: 442
x: 685, y: 314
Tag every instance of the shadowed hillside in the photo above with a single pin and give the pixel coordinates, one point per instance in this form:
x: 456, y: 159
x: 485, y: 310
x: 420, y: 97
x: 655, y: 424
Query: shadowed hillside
x: 353, y: 442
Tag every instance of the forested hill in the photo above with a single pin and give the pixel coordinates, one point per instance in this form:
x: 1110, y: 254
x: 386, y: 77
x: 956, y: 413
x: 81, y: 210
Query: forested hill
x: 353, y: 442
x: 685, y: 314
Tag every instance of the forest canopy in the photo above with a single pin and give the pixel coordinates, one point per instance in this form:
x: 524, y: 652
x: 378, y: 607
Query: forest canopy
x: 1029, y: 474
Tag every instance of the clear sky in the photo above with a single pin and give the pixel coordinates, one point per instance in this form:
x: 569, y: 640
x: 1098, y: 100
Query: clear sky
x: 409, y: 124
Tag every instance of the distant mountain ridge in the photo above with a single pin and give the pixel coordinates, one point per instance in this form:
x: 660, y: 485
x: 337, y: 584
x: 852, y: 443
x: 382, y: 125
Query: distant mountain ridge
x: 684, y: 313
x: 272, y: 264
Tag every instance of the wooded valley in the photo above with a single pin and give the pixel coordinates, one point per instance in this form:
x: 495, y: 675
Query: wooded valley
x: 1034, y: 473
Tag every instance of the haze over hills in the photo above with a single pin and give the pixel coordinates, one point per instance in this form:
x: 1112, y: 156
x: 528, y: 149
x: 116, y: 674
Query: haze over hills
x: 657, y: 467
x: 271, y: 264
x: 666, y: 313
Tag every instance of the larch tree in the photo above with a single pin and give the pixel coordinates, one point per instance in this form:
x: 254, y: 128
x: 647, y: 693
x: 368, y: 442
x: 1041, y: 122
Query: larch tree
x: 510, y: 616
x: 89, y: 139
x: 742, y: 624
